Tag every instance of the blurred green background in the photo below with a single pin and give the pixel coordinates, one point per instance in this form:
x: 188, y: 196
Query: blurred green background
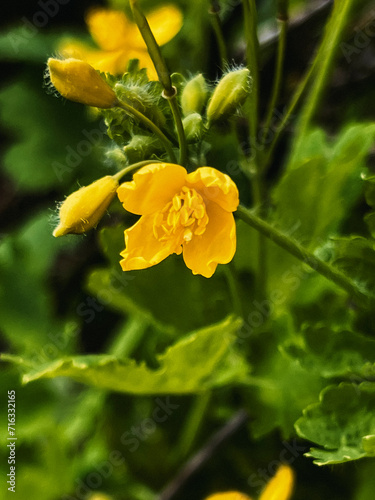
x: 65, y: 297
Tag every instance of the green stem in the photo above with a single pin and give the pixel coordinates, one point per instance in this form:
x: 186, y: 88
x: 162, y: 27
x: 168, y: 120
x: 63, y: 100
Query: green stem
x: 261, y: 275
x: 289, y: 112
x: 163, y: 75
x: 231, y: 276
x: 283, y: 28
x: 151, y: 126
x: 193, y: 423
x: 214, y: 12
x: 153, y: 48
x: 180, y: 129
x: 130, y: 337
x: 252, y: 50
x: 294, y: 248
x: 325, y: 58
x: 252, y: 57
x: 127, y: 170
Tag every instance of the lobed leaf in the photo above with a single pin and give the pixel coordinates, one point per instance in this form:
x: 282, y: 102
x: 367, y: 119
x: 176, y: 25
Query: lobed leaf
x: 342, y: 423
x: 181, y: 370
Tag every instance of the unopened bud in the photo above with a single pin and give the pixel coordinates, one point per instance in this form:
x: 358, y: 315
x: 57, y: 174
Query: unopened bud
x: 140, y: 148
x: 230, y: 92
x: 77, y: 81
x: 83, y: 209
x: 193, y: 126
x: 194, y: 95
x: 138, y: 96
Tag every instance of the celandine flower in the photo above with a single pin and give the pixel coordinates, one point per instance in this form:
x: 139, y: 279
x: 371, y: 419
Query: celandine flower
x: 83, y: 209
x: 119, y: 40
x: 280, y: 487
x: 181, y: 213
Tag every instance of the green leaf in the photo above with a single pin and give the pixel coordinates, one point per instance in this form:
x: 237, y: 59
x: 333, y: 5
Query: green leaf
x: 26, y: 302
x: 333, y: 353
x: 370, y: 199
x: 322, y: 184
x: 282, y: 388
x: 181, y: 370
x: 53, y: 144
x: 342, y: 423
x: 168, y: 294
x: 355, y: 256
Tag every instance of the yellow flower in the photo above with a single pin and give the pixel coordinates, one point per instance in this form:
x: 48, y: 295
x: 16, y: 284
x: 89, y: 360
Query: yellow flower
x: 228, y: 495
x: 181, y: 212
x: 78, y: 81
x: 280, y: 487
x: 119, y: 40
x: 83, y: 209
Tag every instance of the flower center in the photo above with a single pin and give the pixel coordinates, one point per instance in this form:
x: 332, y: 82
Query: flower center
x: 182, y: 218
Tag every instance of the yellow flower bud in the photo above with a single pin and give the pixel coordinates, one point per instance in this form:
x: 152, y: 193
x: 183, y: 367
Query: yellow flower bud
x: 83, y: 209
x: 77, y: 81
x: 229, y: 93
x: 194, y: 95
x: 193, y: 126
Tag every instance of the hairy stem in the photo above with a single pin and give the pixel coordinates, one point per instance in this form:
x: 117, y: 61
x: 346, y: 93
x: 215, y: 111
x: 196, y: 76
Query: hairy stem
x: 151, y: 126
x: 294, y: 248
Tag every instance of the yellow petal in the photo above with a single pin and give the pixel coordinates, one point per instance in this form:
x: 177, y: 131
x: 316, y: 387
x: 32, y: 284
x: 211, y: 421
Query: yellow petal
x: 215, y: 186
x: 83, y: 209
x: 152, y: 188
x: 110, y: 29
x: 114, y: 62
x: 77, y: 81
x: 216, y: 245
x: 228, y: 495
x: 165, y: 22
x: 280, y: 487
x: 142, y: 249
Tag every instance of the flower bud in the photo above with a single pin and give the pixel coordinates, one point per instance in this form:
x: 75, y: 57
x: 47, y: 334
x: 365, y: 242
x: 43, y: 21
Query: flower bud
x: 194, y: 95
x: 77, y: 81
x: 229, y: 93
x: 193, y: 126
x: 83, y: 209
x: 141, y: 147
x: 137, y: 95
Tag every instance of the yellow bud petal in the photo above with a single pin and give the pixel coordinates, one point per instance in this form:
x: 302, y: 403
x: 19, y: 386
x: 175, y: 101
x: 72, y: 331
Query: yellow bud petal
x: 229, y: 93
x: 77, y: 81
x: 83, y: 209
x: 194, y: 95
